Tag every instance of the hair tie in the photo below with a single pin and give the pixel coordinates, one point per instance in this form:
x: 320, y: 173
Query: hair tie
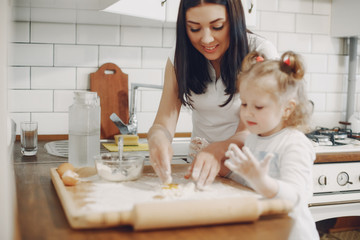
x: 287, y: 61
x: 259, y: 59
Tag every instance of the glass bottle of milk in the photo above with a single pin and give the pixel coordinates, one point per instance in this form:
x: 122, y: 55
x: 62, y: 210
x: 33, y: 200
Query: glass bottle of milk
x: 84, y: 129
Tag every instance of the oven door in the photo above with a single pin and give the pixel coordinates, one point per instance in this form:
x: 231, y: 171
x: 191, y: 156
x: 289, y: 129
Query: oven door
x: 336, y: 190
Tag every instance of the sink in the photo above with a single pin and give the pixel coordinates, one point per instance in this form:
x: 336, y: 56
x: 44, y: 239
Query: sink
x: 180, y: 147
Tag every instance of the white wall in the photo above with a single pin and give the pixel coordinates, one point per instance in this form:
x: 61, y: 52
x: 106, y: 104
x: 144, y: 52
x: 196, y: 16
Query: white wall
x: 50, y: 59
x: 7, y: 198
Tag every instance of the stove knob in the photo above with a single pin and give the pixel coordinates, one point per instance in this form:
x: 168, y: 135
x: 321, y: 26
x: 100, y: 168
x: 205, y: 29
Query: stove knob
x: 322, y: 180
x: 343, y: 179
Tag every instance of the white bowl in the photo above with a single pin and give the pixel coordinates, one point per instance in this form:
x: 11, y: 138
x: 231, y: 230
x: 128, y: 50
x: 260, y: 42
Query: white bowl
x: 110, y: 168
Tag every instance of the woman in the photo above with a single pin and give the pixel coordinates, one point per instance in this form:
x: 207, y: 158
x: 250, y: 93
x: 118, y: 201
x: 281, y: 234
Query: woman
x: 211, y: 42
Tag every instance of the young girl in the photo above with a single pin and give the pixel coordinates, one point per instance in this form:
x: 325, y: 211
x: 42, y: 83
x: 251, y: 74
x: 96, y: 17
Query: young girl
x: 277, y: 158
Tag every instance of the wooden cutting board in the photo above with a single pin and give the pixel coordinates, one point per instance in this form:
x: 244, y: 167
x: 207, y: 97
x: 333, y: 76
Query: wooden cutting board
x: 111, y: 85
x: 232, y: 202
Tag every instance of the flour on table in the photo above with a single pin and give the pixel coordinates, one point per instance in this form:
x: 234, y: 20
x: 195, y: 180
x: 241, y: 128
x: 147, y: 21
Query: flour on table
x: 105, y: 196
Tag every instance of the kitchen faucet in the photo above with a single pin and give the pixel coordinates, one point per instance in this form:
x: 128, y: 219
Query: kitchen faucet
x: 132, y: 127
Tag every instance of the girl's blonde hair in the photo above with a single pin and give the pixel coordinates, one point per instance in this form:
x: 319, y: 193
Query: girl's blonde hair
x: 288, y: 72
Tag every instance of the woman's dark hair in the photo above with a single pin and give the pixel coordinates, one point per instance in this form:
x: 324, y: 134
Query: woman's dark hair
x: 191, y: 67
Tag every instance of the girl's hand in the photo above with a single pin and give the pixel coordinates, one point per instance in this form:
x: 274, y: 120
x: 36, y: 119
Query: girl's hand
x: 206, y: 164
x: 197, y: 145
x: 245, y: 164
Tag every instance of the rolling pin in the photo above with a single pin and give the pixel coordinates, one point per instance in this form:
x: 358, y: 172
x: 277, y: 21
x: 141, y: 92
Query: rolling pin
x: 170, y: 214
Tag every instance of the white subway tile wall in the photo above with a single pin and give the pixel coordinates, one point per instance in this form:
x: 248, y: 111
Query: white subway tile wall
x: 21, y: 13
x: 149, y: 106
x: 97, y: 34
x: 55, y: 15
x: 31, y: 55
x: 322, y: 7
x: 53, y: 33
x: 144, y: 76
x: 83, y: 77
x: 124, y: 57
x: 55, y: 50
x: 31, y: 100
x: 62, y: 100
x: 335, y: 102
x: 296, y: 6
x: 76, y: 56
x: 326, y: 45
x: 96, y: 17
x: 19, y: 78
x: 51, y: 123
x: 277, y: 22
x: 21, y: 31
x: 154, y: 57
x: 52, y: 78
x: 169, y: 37
x: 141, y: 36
x: 306, y: 23
x: 294, y: 41
x: 267, y: 5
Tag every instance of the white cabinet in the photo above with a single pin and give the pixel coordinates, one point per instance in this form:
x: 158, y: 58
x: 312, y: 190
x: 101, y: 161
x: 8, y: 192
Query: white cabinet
x: 172, y: 8
x: 345, y: 18
x: 150, y: 9
x: 167, y: 12
x: 250, y: 12
x: 131, y: 12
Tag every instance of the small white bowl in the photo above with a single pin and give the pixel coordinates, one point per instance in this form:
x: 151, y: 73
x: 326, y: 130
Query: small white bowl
x: 110, y: 168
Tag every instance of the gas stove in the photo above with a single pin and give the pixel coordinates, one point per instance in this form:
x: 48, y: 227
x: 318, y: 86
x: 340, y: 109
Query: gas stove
x: 334, y: 137
x: 336, y: 181
x: 334, y: 140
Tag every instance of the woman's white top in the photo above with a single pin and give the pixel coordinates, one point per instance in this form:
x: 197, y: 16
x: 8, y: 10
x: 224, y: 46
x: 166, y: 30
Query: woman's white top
x: 215, y: 123
x: 291, y: 166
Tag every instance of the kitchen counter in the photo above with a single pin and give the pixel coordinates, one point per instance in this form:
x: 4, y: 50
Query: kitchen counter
x: 333, y: 157
x: 40, y: 214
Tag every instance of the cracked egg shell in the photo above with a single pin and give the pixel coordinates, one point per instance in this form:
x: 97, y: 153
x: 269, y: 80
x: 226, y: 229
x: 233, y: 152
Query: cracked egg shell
x: 70, y: 178
x: 64, y: 167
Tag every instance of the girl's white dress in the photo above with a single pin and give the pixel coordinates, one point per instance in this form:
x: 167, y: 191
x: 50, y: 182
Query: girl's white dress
x: 291, y: 166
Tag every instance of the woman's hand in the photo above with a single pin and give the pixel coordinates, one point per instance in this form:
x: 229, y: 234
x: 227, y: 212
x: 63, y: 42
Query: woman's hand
x: 161, y: 152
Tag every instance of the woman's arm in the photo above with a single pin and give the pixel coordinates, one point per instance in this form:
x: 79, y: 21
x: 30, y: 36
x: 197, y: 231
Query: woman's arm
x: 161, y: 133
x: 239, y: 139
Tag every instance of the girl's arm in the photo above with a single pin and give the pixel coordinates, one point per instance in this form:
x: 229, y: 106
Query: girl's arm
x: 296, y: 172
x: 295, y: 166
x: 163, y: 129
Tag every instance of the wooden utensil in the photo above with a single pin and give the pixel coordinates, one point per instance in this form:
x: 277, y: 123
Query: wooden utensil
x: 186, y: 213
x: 111, y: 84
x: 165, y: 214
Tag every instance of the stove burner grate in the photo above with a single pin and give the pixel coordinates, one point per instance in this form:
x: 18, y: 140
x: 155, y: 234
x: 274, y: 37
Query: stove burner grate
x: 331, y: 137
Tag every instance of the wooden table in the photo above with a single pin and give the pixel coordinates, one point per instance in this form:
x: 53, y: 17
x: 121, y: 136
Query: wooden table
x: 41, y: 215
